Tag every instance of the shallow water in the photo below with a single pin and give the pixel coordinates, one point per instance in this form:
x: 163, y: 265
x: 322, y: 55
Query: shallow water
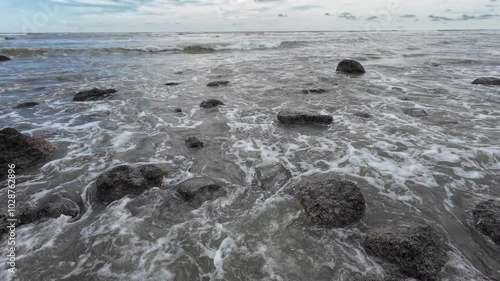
x: 432, y: 169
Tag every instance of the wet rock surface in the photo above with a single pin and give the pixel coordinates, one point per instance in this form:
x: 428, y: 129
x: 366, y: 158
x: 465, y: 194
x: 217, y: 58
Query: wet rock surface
x: 350, y: 67
x: 489, y: 81
x: 172, y: 84
x: 4, y: 58
x: 178, y: 110
x: 314, y: 91
x: 211, y: 103
x: 218, y: 83
x: 27, y: 105
x: 487, y: 219
x: 194, y: 143
x: 198, y: 190
x: 288, y: 116
x: 50, y: 207
x: 270, y: 176
x: 365, y: 115
x: 94, y: 94
x: 415, y: 112
x: 415, y: 249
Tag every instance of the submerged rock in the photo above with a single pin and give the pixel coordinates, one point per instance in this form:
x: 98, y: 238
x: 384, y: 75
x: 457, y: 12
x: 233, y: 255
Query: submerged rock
x: 4, y: 58
x: 22, y: 150
x: 125, y: 180
x: 218, y: 83
x: 363, y: 114
x: 50, y: 207
x: 211, y: 103
x: 27, y: 105
x: 194, y: 143
x: 331, y: 202
x: 314, y: 91
x: 288, y: 116
x: 94, y: 94
x: 172, y: 84
x: 351, y: 67
x: 415, y: 112
x: 489, y: 81
x: 272, y: 175
x: 178, y: 110
x: 487, y: 219
x: 414, y: 249
x: 198, y: 190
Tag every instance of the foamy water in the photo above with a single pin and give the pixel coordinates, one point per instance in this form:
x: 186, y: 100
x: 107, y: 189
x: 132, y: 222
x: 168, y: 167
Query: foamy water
x: 431, y: 169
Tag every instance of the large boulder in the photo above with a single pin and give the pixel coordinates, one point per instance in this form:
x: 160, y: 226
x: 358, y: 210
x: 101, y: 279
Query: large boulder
x: 487, y: 219
x: 415, y: 250
x: 27, y: 105
x: 94, y: 94
x: 331, y: 202
x: 288, y: 116
x: 22, y: 150
x: 198, y: 190
x: 351, y: 67
x: 125, y: 180
x: 489, y: 81
x: 4, y: 58
x: 211, y: 103
x: 218, y: 83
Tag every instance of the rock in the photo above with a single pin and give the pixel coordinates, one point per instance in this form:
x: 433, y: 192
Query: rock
x: 272, y: 175
x: 27, y: 105
x: 363, y: 114
x: 489, y: 81
x: 198, y: 190
x: 172, y: 84
x: 50, y: 207
x: 177, y: 110
x: 218, y: 83
x: 415, y: 112
x: 331, y: 202
x: 211, y: 103
x: 487, y: 219
x: 414, y: 249
x: 314, y: 91
x: 4, y: 58
x: 125, y: 180
x: 194, y: 143
x: 351, y: 67
x: 94, y: 94
x: 22, y: 150
x: 288, y: 116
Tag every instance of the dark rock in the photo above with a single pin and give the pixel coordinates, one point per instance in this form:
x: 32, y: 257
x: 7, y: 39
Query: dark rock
x: 50, y: 207
x: 489, y: 81
x: 194, y: 143
x: 331, y: 202
x: 198, y: 190
x: 27, y: 105
x: 487, y: 219
x: 218, y: 83
x: 211, y: 103
x: 314, y: 91
x: 363, y: 114
x: 124, y: 180
x: 94, y: 94
x: 414, y: 249
x: 415, y: 112
x: 351, y: 67
x: 4, y: 58
x: 22, y: 150
x: 287, y: 116
x: 172, y: 84
x: 177, y: 110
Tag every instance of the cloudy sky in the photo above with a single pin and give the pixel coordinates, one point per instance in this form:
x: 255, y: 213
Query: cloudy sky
x: 245, y: 15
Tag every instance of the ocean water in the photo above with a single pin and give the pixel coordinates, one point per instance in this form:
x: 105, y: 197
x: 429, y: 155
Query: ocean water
x: 432, y: 169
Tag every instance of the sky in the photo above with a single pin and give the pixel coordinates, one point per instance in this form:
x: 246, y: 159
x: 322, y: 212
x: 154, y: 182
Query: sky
x: 245, y: 15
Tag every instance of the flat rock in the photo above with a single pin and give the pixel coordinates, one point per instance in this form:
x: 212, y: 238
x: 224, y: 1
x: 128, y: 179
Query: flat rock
x: 218, y: 83
x: 194, y: 143
x: 314, y: 91
x: 94, y: 94
x: 414, y: 249
x: 330, y: 202
x: 125, y: 180
x: 198, y: 190
x: 27, y: 105
x: 4, y: 58
x: 288, y: 116
x: 351, y: 67
x: 172, y: 84
x: 415, y: 112
x: 211, y: 103
x: 489, y: 81
x: 487, y: 219
x: 22, y: 150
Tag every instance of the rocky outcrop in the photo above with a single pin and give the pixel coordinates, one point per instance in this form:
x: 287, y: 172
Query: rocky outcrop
x: 172, y: 84
x: 365, y: 115
x: 487, y: 219
x: 194, y: 143
x: 94, y: 94
x: 415, y: 250
x: 288, y: 116
x: 314, y: 91
x: 27, y: 105
x: 218, y: 83
x: 211, y: 103
x: 350, y: 67
x: 198, y: 190
x: 330, y: 202
x: 125, y: 180
x: 489, y: 81
x: 415, y: 112
x: 22, y: 150
x: 4, y: 58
